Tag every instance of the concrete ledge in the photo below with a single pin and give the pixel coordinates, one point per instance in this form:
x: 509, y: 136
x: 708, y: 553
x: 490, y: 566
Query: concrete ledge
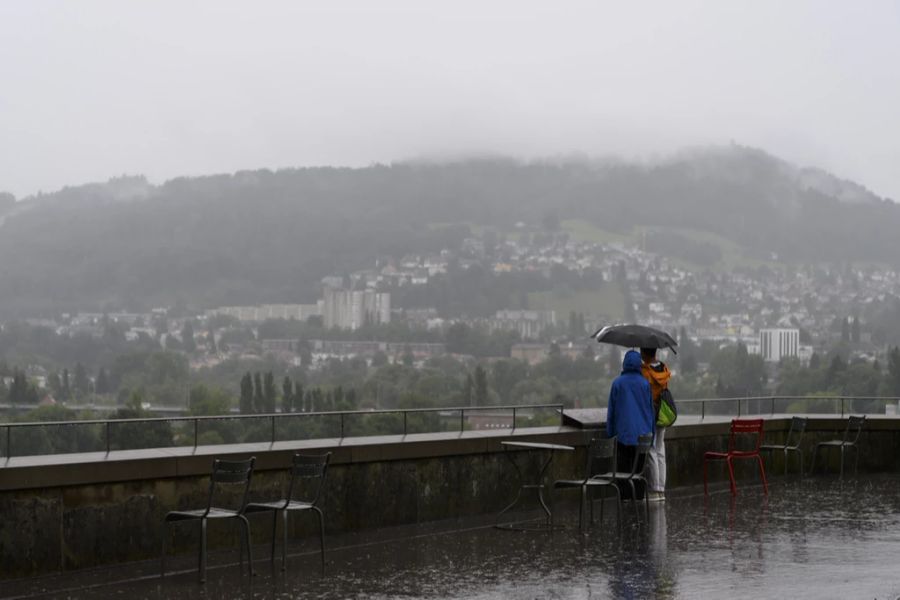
x: 66, y: 512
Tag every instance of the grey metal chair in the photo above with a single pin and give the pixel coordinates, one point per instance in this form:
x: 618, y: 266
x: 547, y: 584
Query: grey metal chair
x: 791, y: 443
x: 224, y: 473
x: 601, y: 461
x: 638, y: 466
x: 305, y: 469
x: 848, y: 441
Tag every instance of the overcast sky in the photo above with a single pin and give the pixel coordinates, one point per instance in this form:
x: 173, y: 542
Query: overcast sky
x: 90, y: 90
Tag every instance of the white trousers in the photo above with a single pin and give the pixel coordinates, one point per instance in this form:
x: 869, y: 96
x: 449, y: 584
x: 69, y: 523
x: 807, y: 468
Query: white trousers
x: 657, y: 458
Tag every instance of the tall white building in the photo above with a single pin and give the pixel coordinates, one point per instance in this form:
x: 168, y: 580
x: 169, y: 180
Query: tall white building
x: 351, y: 309
x: 777, y: 343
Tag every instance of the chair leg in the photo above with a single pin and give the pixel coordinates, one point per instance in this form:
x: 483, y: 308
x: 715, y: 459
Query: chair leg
x: 581, y: 509
x: 705, y: 487
x: 202, y: 550
x: 593, y: 501
x: 274, y: 536
x: 321, y: 535
x: 618, y: 508
x: 812, y: 467
x: 762, y: 473
x: 800, y: 458
x: 785, y: 462
x: 162, y: 558
x: 246, y: 524
x: 856, y: 461
x: 731, y: 476
x: 601, y: 508
x: 637, y: 515
x: 284, y: 542
x: 842, y: 461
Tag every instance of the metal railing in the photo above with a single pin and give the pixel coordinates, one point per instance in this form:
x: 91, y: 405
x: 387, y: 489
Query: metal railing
x: 145, y: 433
x: 788, y: 405
x: 107, y: 435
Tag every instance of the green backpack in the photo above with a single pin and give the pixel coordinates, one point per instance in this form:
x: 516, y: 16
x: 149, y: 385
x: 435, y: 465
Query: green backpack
x: 667, y: 413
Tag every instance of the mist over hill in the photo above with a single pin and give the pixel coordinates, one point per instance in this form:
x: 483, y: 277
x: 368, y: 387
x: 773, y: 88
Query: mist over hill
x: 263, y: 236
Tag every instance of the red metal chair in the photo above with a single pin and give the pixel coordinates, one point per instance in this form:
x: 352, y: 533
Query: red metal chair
x: 744, y: 428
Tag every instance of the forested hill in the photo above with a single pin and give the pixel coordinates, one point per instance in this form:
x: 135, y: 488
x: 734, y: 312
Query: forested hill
x: 262, y: 236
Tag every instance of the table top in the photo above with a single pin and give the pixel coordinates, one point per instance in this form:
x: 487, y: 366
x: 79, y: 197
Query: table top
x: 538, y: 446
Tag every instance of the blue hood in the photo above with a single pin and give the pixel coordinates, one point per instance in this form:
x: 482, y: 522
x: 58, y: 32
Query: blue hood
x: 632, y: 362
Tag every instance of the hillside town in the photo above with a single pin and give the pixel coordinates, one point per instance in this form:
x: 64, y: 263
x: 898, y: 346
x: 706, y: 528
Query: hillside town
x: 811, y: 307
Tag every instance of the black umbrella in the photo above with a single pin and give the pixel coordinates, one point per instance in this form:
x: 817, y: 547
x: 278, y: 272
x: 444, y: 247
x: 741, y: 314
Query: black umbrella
x: 635, y: 336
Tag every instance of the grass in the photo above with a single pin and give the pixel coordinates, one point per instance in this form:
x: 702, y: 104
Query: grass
x: 732, y: 253
x: 608, y: 301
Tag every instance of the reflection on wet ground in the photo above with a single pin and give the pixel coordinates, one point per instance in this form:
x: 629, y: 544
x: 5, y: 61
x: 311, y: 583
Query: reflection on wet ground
x: 820, y: 539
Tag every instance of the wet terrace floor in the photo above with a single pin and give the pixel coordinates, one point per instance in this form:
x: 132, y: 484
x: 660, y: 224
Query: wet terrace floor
x: 821, y: 539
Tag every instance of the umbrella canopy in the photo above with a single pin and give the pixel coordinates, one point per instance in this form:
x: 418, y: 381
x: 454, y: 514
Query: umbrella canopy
x: 635, y: 336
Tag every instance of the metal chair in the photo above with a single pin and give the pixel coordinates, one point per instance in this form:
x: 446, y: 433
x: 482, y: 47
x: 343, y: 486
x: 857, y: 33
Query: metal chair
x: 234, y: 473
x: 791, y: 443
x: 854, y: 428
x: 308, y: 469
x: 600, y: 451
x: 743, y: 428
x: 638, y: 465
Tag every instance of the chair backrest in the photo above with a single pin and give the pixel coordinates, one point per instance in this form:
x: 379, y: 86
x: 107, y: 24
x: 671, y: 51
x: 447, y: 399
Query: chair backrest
x: 795, y: 433
x: 854, y: 428
x: 601, y: 456
x: 745, y: 428
x: 308, y: 476
x: 233, y: 474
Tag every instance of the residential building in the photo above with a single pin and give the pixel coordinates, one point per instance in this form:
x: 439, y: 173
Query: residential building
x: 776, y: 343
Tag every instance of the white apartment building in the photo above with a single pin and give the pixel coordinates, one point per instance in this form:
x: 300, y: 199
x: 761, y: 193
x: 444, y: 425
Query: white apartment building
x: 300, y: 312
x: 351, y: 309
x: 776, y: 343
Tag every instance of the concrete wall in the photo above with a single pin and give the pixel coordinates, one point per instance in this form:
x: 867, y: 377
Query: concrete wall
x: 70, y: 512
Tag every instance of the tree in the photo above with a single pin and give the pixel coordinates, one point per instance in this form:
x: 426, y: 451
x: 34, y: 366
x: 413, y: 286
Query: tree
x: 246, y: 403
x: 203, y: 400
x: 854, y: 330
x: 54, y: 383
x: 102, y: 384
x: 298, y: 398
x: 211, y: 337
x: 82, y: 384
x: 481, y: 386
x: 187, y: 337
x: 66, y: 389
x: 893, y: 371
x: 270, y: 393
x: 259, y: 402
x: 408, y: 357
x: 469, y: 391
x: 287, y: 395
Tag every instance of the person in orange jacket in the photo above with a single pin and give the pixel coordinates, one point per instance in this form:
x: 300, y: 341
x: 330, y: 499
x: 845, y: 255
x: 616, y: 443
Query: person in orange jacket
x: 657, y: 374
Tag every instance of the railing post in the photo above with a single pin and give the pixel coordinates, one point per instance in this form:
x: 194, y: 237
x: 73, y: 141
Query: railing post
x: 196, y: 424
x: 107, y: 437
x: 273, y: 430
x: 8, y: 442
x: 702, y: 410
x: 462, y: 422
x: 514, y: 418
x: 842, y: 408
x: 342, y: 426
x: 739, y: 408
x: 773, y: 406
x: 404, y: 422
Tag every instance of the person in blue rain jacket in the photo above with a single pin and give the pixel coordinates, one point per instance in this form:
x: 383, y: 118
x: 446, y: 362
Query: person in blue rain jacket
x: 630, y: 409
